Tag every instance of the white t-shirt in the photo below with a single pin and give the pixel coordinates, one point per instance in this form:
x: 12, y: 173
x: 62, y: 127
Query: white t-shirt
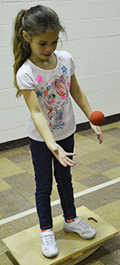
x: 52, y: 89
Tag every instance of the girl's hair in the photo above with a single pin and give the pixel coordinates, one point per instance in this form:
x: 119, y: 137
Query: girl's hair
x: 34, y: 21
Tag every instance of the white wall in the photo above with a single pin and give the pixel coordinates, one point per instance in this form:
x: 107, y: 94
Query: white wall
x: 93, y: 29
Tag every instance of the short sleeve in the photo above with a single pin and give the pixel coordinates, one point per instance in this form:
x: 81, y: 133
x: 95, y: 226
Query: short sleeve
x: 72, y: 63
x: 69, y: 59
x: 24, y: 79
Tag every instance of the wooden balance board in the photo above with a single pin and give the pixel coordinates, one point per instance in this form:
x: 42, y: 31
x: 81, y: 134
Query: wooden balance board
x: 25, y: 246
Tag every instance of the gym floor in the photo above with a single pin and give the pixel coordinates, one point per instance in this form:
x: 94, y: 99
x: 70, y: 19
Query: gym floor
x: 96, y: 164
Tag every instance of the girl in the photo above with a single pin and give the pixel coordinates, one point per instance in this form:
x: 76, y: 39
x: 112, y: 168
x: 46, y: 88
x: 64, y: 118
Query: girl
x: 46, y: 78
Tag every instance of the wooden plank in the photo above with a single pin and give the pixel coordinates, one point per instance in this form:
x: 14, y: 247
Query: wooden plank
x: 25, y: 246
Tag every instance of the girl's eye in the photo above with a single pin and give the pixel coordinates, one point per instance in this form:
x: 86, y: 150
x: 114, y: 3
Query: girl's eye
x: 53, y: 96
x: 55, y: 42
x: 42, y: 44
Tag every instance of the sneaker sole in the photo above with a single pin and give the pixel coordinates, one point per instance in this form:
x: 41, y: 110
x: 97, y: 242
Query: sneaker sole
x: 47, y: 256
x: 50, y: 256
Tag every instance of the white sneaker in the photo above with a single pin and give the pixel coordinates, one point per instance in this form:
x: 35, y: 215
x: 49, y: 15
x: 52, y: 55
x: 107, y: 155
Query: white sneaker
x: 49, y: 246
x: 80, y: 227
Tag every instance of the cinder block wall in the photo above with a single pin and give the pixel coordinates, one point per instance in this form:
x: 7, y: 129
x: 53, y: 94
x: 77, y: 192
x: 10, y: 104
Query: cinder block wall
x: 93, y: 29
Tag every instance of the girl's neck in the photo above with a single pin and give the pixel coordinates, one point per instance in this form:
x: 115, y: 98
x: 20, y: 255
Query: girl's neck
x: 47, y: 65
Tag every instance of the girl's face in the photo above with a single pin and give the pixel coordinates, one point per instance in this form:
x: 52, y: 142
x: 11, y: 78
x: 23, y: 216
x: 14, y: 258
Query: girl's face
x: 43, y: 46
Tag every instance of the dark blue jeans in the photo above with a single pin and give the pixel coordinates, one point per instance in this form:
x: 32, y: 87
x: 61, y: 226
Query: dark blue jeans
x: 42, y: 161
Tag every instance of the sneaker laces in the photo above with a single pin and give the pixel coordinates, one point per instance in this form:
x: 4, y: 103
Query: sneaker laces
x: 49, y: 240
x: 83, y: 224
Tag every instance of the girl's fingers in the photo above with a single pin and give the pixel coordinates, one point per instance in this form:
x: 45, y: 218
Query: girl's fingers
x: 100, y: 137
x: 63, y: 163
x: 62, y: 156
x: 69, y: 162
x: 70, y: 154
x: 97, y: 130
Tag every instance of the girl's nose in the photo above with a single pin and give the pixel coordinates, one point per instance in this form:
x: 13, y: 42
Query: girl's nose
x: 49, y: 49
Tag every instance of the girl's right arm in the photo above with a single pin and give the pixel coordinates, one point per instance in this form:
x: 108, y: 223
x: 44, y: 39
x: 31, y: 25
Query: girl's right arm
x: 44, y: 130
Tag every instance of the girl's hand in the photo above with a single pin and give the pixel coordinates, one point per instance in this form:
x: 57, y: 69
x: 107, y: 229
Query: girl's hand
x: 97, y: 130
x: 62, y: 156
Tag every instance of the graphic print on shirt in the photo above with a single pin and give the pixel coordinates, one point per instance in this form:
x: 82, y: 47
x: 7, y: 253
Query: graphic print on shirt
x: 56, y: 96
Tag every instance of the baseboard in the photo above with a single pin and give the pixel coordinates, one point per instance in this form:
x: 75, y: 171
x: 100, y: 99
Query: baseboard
x: 14, y: 144
x: 80, y: 127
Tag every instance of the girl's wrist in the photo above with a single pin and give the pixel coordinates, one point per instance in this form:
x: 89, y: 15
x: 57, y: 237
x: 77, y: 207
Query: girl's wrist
x: 51, y: 145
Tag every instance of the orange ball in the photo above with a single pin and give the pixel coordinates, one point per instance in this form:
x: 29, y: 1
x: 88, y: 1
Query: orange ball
x: 97, y: 118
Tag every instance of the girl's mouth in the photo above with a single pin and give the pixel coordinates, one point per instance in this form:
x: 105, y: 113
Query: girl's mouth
x: 47, y: 55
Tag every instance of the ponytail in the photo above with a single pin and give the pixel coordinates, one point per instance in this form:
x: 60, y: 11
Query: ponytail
x: 21, y: 49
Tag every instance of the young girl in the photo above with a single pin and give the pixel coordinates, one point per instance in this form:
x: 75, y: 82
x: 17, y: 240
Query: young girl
x: 46, y: 78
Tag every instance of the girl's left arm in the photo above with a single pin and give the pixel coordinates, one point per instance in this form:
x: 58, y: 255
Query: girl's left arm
x: 81, y: 100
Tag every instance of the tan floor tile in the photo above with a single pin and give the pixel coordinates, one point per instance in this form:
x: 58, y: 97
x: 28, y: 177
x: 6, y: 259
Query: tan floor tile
x: 102, y: 165
x: 20, y: 157
x: 110, y: 140
x: 30, y: 170
x: 118, y: 125
x: 112, y: 155
x: 1, y: 217
x: 31, y: 200
x: 89, y: 158
x: 111, y: 213
x: 18, y: 225
x: 82, y: 172
x: 3, y: 249
x: 109, y: 126
x: 24, y: 184
x: 78, y: 164
x: 113, y: 131
x: 116, y: 147
x: 109, y: 252
x: 115, y: 158
x: 110, y: 136
x: 78, y: 186
x: 79, y: 138
x: 94, y: 180
x: 112, y: 173
x: 99, y: 197
x: 88, y: 147
x: 14, y: 152
x: 56, y: 210
x: 112, y: 259
x: 54, y: 195
x: 26, y: 148
x: 109, y: 153
x: 4, y: 185
x: 8, y: 168
x: 27, y: 166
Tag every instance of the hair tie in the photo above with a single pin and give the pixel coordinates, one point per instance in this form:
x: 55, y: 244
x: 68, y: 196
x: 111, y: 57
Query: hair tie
x: 26, y: 10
